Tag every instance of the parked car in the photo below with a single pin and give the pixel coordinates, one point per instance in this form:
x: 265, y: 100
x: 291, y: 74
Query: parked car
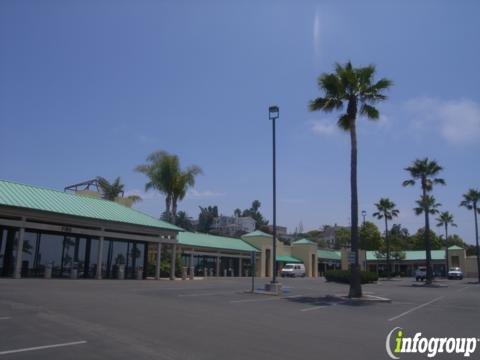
x: 455, y: 273
x: 421, y: 273
x: 293, y: 270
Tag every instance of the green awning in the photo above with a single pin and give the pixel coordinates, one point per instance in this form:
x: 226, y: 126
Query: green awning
x: 288, y: 259
x: 53, y: 201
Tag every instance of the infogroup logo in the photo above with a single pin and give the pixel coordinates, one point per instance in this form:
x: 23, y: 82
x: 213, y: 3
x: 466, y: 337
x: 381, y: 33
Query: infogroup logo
x: 398, y: 343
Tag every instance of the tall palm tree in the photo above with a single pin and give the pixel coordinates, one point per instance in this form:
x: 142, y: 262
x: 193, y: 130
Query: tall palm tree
x: 166, y: 176
x: 386, y: 210
x: 470, y: 201
x: 184, y: 180
x: 355, y: 89
x: 445, y: 219
x: 425, y: 172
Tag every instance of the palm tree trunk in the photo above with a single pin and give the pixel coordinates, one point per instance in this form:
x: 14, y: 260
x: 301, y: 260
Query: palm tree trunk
x: 389, y: 272
x: 476, y: 240
x: 174, y: 209
x: 446, y: 248
x: 168, y: 201
x: 428, y: 245
x: 355, y: 283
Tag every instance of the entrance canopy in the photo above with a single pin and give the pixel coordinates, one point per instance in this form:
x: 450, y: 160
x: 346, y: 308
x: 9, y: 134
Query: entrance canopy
x: 289, y: 259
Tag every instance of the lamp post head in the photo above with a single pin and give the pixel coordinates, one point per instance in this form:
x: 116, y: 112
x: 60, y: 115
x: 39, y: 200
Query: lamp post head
x: 273, y: 112
x: 364, y: 213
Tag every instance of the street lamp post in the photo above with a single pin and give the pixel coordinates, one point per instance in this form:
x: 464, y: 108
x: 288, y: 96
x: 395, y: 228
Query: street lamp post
x: 364, y: 213
x: 273, y: 114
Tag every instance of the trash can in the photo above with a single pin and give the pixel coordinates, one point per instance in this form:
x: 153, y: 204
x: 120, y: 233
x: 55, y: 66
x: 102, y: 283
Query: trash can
x: 205, y: 272
x: 184, y: 273
x: 73, y: 274
x: 192, y: 273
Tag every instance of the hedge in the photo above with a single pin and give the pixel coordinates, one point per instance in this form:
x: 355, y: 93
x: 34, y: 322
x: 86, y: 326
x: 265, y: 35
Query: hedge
x: 343, y: 276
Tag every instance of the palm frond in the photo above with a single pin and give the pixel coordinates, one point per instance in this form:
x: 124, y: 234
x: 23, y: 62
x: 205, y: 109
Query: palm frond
x: 369, y: 111
x: 344, y: 122
x: 325, y: 104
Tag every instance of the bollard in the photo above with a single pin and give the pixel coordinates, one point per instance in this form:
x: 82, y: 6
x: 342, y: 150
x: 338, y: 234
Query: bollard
x: 192, y: 273
x: 121, y: 272
x: 140, y: 274
x: 184, y: 273
x: 205, y: 272
x: 48, y: 272
x: 73, y: 274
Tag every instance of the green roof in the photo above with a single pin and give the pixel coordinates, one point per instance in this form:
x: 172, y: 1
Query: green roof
x: 328, y: 254
x: 213, y: 241
x: 53, y: 201
x: 256, y: 233
x: 303, y: 242
x: 455, y: 247
x: 288, y: 259
x: 410, y: 255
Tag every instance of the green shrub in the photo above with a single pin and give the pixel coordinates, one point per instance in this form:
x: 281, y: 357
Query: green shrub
x: 344, y: 276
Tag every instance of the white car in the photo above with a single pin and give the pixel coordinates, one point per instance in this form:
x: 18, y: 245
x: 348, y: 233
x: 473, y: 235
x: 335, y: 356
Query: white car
x: 421, y: 273
x: 293, y: 270
x: 455, y: 273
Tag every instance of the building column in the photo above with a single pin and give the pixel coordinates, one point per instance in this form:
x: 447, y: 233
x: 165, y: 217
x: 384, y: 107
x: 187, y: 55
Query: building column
x: 157, y: 265
x: 218, y: 266
x: 240, y: 267
x: 98, y: 275
x: 172, y: 262
x: 18, y: 262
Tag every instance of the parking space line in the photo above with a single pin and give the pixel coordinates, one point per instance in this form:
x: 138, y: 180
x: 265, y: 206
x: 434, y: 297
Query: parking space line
x: 465, y: 287
x: 5, y: 318
x: 42, y: 347
x: 206, y: 294
x: 314, y: 308
x: 416, y: 308
x: 265, y: 299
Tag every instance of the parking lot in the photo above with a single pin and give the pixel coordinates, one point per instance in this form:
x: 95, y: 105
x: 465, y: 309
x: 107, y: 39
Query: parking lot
x: 217, y: 319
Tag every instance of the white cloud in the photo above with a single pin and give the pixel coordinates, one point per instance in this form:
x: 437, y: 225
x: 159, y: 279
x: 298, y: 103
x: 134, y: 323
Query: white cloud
x: 324, y: 127
x: 205, y: 193
x: 458, y: 121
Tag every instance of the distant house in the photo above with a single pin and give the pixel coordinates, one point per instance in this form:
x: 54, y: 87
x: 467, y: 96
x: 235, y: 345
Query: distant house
x: 233, y: 225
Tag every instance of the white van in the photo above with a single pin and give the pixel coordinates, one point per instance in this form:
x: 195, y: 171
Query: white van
x: 293, y: 270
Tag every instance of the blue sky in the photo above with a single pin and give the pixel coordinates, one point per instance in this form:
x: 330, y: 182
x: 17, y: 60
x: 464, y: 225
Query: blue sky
x: 90, y: 88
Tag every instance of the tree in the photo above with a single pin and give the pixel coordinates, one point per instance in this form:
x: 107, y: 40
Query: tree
x: 183, y: 221
x: 166, y: 176
x: 455, y: 240
x: 386, y: 210
x: 370, y: 237
x: 445, y: 219
x: 113, y: 190
x: 470, y: 202
x: 355, y: 89
x: 110, y: 190
x: 425, y: 172
x: 205, y: 218
x: 256, y: 215
x: 237, y: 212
x: 342, y: 237
x: 418, y: 240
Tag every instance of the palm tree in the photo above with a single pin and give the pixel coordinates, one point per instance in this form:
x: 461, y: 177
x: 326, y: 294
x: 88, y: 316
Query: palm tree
x: 355, y: 89
x: 424, y: 171
x: 110, y: 190
x: 386, y: 210
x: 184, y: 180
x: 165, y: 175
x: 113, y: 191
x: 445, y: 219
x: 470, y: 201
